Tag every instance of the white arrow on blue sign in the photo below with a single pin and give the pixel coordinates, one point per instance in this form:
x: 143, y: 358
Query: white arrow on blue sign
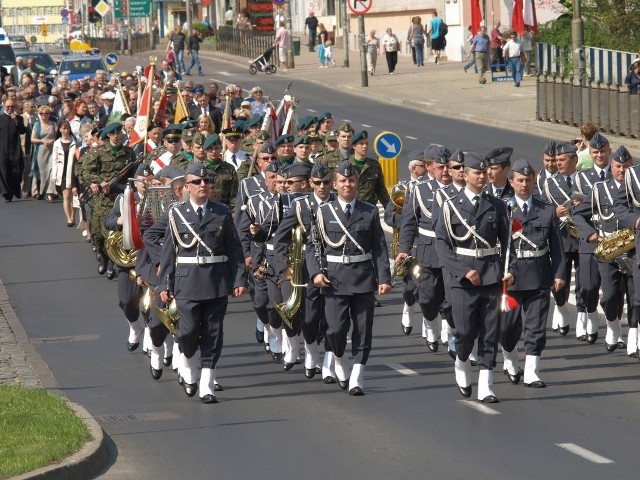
x: 111, y: 59
x: 387, y: 145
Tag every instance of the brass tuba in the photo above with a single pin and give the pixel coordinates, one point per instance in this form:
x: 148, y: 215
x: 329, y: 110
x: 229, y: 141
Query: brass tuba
x: 616, y: 244
x: 290, y: 308
x: 168, y: 315
x: 116, y: 252
x: 398, y: 195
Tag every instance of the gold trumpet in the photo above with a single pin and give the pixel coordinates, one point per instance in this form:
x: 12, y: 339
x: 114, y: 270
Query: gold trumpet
x: 168, y: 315
x: 408, y: 266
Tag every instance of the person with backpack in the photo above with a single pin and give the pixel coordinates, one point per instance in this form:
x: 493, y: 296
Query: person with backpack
x: 437, y: 29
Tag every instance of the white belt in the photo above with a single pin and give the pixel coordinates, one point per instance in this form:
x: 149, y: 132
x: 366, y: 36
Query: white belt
x: 203, y: 260
x: 269, y: 246
x: 427, y: 233
x: 347, y: 259
x: 532, y: 253
x: 477, y: 252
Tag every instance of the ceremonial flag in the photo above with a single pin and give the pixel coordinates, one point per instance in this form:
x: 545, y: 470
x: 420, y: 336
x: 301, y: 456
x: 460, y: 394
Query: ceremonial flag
x: 142, y: 120
x: 119, y: 108
x: 517, y: 21
x: 530, y: 17
x: 160, y: 162
x: 476, y: 16
x: 181, y: 109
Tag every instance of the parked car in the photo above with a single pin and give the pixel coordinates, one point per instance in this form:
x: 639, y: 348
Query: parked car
x: 77, y: 66
x: 19, y: 42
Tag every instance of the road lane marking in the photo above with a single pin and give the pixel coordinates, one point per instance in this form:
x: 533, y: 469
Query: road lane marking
x: 311, y: 110
x: 480, y: 407
x: 584, y: 453
x: 402, y: 369
x: 347, y: 120
x: 410, y: 137
x: 226, y: 74
x: 366, y: 126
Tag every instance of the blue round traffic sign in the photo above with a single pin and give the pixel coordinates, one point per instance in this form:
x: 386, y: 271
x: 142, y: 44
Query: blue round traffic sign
x: 279, y: 2
x: 387, y: 145
x: 111, y: 59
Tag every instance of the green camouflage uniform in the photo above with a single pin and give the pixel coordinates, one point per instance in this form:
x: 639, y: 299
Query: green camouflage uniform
x: 226, y: 182
x: 153, y: 154
x: 371, y: 187
x: 332, y: 159
x: 247, y: 145
x: 102, y: 165
x: 181, y: 160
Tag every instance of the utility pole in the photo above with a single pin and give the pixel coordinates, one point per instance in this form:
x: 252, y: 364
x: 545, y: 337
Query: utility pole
x: 189, y: 19
x: 344, y: 17
x: 287, y: 15
x: 363, y: 51
x: 577, y: 43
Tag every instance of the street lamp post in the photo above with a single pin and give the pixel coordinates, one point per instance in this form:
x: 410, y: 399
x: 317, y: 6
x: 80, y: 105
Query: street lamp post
x: 577, y: 43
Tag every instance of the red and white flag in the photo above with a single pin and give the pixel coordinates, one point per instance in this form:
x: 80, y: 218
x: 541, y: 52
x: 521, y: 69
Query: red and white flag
x: 142, y: 119
x: 160, y: 162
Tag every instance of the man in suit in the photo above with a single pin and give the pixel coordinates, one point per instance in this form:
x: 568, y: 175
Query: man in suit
x: 11, y: 159
x: 473, y: 271
x: 203, y: 107
x: 357, y: 267
x: 539, y: 266
x: 201, y: 266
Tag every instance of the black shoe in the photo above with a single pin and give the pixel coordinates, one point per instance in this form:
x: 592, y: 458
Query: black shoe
x: 209, y: 399
x: 167, y: 361
x: 591, y: 338
x: 190, y: 388
x: 452, y: 354
x: 329, y: 380
x: 633, y: 354
x: 111, y: 272
x: 132, y: 347
x: 621, y: 344
x: 356, y: 392
x: 318, y: 370
x: 277, y: 357
x: 286, y: 366
x: 563, y: 330
x: 490, y: 399
x: 217, y: 387
x: 611, y: 347
x: 473, y: 363
x: 407, y: 330
x: 309, y: 372
x: 71, y: 224
x: 582, y: 338
x: 514, y: 379
x: 465, y: 391
x: 343, y: 384
x: 102, y: 268
x: 536, y: 384
x: 156, y: 374
x: 267, y: 348
x: 433, y: 346
x: 259, y: 336
x: 180, y: 380
x: 376, y: 302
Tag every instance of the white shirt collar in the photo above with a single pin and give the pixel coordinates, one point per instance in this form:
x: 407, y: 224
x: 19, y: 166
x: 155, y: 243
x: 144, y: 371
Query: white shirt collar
x: 195, y: 206
x: 343, y: 204
x: 618, y: 184
x: 598, y: 169
x: 470, y: 195
x: 522, y: 202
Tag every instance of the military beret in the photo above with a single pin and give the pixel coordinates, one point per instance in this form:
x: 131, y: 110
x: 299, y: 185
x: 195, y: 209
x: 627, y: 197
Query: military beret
x: 175, y: 129
x: 566, y: 147
x: 112, y: 127
x: 550, y: 149
x: 232, y: 132
x: 272, y: 167
x: 268, y: 148
x: 188, y: 134
x: 457, y: 156
x: 211, y: 141
x: 361, y: 135
x: 169, y: 171
x: 198, y: 138
x: 324, y: 116
x: 298, y: 170
x: 621, y: 154
x: 103, y: 134
x: 198, y: 89
x: 499, y: 156
x: 415, y: 155
x: 286, y: 138
x: 153, y: 125
x: 189, y: 122
x: 240, y: 125
x: 197, y: 168
x: 263, y: 135
x: 143, y: 170
x: 522, y: 166
x: 332, y: 135
x: 598, y: 141
x: 314, y: 137
x: 346, y: 169
x: 319, y: 170
x: 253, y: 121
x: 475, y: 161
x: 346, y: 127
x: 303, y: 122
x: 302, y: 140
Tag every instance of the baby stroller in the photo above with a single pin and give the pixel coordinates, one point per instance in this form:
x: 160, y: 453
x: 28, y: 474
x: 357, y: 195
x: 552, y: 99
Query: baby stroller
x: 261, y: 64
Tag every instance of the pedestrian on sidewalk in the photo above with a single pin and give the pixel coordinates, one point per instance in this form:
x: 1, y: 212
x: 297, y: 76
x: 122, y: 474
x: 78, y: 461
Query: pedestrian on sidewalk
x: 511, y: 52
x: 323, y: 36
x: 390, y: 46
x: 410, y: 42
x: 527, y: 48
x: 373, y: 47
x: 417, y: 40
x: 328, y: 54
x: 177, y: 40
x: 311, y: 23
x: 480, y: 47
x: 437, y: 32
x: 193, y: 49
x: 282, y: 41
x: 471, y: 53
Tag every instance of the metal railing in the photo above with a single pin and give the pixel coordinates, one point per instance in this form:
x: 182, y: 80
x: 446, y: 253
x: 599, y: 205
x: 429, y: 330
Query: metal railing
x: 243, y: 43
x: 139, y: 43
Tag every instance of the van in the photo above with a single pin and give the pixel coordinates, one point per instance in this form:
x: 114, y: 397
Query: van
x: 8, y: 59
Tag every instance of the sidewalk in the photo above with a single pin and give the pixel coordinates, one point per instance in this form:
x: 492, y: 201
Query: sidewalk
x: 443, y: 89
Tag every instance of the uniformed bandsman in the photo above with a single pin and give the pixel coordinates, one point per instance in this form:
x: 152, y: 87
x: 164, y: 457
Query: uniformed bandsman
x: 357, y: 266
x: 499, y: 160
x: 202, y: 264
x: 539, y: 266
x: 471, y: 233
x: 550, y: 168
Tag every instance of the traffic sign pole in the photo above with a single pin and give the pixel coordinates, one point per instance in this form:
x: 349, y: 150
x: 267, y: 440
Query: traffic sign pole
x: 363, y: 52
x: 388, y: 146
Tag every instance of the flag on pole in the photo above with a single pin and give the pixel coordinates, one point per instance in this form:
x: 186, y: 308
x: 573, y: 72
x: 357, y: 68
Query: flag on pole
x: 142, y: 120
x: 119, y: 108
x: 530, y: 17
x: 160, y: 162
x: 181, y: 110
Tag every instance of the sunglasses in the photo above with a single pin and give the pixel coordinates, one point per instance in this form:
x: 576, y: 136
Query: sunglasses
x: 199, y: 181
x: 268, y: 158
x: 456, y: 167
x: 172, y: 140
x: 317, y: 183
x: 292, y: 182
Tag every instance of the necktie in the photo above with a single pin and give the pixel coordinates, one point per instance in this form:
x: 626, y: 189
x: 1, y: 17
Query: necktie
x: 233, y: 159
x: 199, y: 213
x: 569, y: 181
x: 525, y: 209
x: 204, y: 111
x: 498, y: 192
x: 476, y: 202
x: 602, y: 175
x: 347, y: 211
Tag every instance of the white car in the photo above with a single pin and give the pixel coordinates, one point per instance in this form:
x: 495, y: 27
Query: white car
x: 19, y: 42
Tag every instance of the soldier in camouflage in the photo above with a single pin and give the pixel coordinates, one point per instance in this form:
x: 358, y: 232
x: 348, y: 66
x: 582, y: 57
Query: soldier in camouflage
x: 333, y: 158
x: 371, y: 186
x: 184, y: 158
x: 224, y: 187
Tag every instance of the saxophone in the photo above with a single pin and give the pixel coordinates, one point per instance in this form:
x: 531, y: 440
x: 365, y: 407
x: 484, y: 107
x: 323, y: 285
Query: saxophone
x: 290, y: 308
x: 616, y: 244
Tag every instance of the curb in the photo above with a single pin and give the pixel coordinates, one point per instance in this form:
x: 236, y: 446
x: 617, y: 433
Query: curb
x: 94, y: 454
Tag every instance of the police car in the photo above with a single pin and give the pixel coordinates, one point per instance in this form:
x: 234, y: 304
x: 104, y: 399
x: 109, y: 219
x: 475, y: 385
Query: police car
x: 79, y: 65
x: 7, y: 58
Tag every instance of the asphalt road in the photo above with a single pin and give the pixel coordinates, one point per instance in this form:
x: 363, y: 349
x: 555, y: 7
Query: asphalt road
x: 270, y: 424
